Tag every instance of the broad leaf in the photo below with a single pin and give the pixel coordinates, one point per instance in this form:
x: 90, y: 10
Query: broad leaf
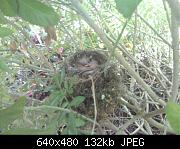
x: 5, y: 32
x: 37, y: 13
x: 3, y: 66
x: 12, y: 113
x: 173, y: 116
x: 77, y: 101
x: 9, y: 7
x: 127, y: 7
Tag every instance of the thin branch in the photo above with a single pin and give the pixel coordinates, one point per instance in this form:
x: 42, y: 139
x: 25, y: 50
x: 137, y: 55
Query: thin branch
x: 167, y: 14
x: 154, y: 113
x: 164, y: 40
x: 118, y: 39
x: 95, y: 106
x: 175, y: 6
x: 46, y: 108
x: 175, y: 46
x: 119, y: 57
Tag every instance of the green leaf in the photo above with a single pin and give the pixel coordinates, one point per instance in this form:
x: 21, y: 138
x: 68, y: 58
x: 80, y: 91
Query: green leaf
x: 29, y: 131
x: 5, y: 32
x: 80, y: 122
x: 37, y: 13
x: 9, y: 7
x: 3, y: 66
x: 12, y: 113
x: 77, y: 101
x: 173, y: 116
x: 56, y: 98
x: 127, y: 7
x: 71, y: 129
x: 2, y: 18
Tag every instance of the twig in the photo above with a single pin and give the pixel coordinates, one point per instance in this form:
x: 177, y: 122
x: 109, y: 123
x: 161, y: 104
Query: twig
x: 119, y: 57
x: 154, y: 113
x: 164, y: 40
x: 132, y: 116
x: 32, y: 43
x: 118, y: 39
x: 159, y: 125
x: 139, y: 128
x: 167, y: 14
x: 46, y: 108
x: 31, y: 66
x: 95, y: 106
x: 135, y: 33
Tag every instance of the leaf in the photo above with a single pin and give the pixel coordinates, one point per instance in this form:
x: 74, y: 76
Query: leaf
x: 29, y: 131
x: 3, y: 66
x: 51, y: 31
x: 72, y: 130
x: 127, y: 7
x: 2, y: 18
x: 37, y: 13
x: 13, y: 46
x: 77, y: 101
x: 5, y: 32
x: 9, y: 7
x: 12, y: 113
x: 80, y: 122
x: 173, y: 116
x: 56, y: 98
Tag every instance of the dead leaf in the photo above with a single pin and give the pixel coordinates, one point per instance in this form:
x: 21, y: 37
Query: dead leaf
x: 13, y: 46
x: 51, y: 31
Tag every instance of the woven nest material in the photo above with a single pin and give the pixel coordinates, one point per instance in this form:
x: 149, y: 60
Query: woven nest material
x: 93, y: 67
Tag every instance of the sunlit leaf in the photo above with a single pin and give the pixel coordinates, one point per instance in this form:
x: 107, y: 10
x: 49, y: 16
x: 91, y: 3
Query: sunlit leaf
x: 173, y: 116
x: 127, y: 7
x: 5, y: 32
x: 37, y: 13
x: 12, y: 113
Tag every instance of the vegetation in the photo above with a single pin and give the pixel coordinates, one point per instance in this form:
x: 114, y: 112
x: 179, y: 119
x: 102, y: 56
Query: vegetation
x: 139, y: 37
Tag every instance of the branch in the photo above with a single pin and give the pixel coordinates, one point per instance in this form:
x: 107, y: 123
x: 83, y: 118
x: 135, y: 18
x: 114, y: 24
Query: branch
x: 164, y: 40
x: 53, y: 108
x: 175, y: 15
x: 175, y: 7
x: 95, y: 106
x: 119, y: 57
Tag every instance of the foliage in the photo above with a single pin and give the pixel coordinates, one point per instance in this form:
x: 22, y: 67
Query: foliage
x: 3, y: 66
x: 46, y: 15
x: 32, y: 60
x: 127, y: 7
x: 5, y: 31
x: 8, y: 115
x: 173, y: 116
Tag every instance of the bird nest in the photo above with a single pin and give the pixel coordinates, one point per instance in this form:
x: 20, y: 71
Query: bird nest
x: 98, y: 81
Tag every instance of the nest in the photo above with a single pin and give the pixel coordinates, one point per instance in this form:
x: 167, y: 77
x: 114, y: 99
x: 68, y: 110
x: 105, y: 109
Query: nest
x: 93, y: 68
